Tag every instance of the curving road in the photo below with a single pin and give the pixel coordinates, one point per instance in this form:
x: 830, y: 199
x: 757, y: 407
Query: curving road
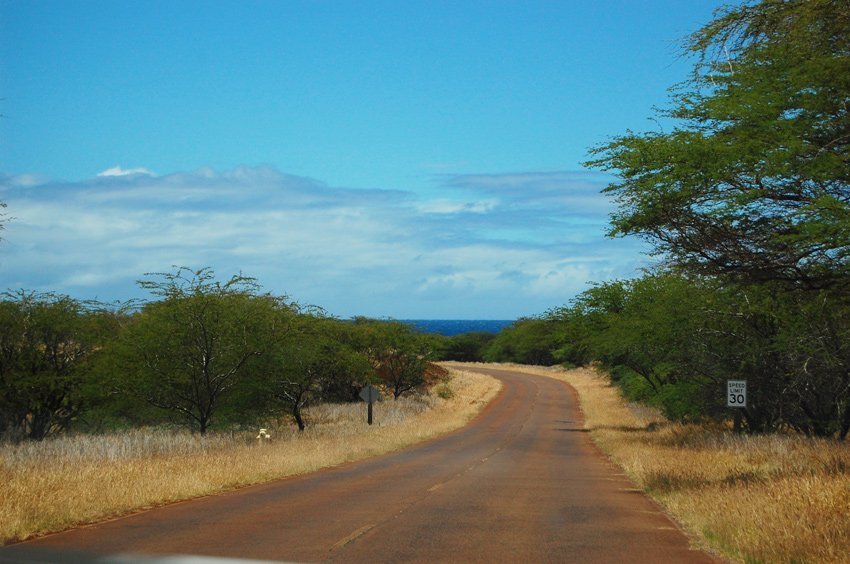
x: 522, y: 482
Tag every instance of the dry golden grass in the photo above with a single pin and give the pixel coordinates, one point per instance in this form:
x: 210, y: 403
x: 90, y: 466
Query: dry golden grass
x: 56, y: 484
x: 774, y: 498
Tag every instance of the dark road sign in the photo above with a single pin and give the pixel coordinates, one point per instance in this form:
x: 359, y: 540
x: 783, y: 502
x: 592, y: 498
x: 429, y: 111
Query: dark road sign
x: 370, y: 394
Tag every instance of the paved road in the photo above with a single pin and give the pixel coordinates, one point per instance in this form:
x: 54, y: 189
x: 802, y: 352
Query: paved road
x: 522, y: 482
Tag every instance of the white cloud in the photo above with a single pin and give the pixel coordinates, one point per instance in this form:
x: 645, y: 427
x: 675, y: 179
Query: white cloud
x: 372, y: 252
x: 22, y: 180
x: 561, y: 191
x: 449, y: 207
x: 118, y: 171
x: 560, y: 279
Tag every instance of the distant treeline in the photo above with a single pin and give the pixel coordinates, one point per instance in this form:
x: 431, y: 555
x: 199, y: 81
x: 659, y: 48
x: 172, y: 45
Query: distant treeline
x: 209, y: 354
x: 203, y: 353
x: 672, y: 341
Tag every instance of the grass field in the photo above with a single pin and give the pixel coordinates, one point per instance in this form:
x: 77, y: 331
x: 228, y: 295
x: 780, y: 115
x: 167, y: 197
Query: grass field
x: 771, y: 498
x: 67, y: 481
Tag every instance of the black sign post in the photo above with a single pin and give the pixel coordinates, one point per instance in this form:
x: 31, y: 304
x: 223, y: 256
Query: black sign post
x: 370, y: 395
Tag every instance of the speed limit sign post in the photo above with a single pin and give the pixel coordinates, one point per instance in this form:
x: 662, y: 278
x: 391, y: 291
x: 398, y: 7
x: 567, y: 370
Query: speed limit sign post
x: 736, y: 396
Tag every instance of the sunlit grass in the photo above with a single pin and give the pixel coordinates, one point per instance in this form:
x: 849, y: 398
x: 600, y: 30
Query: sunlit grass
x: 770, y: 498
x: 56, y: 484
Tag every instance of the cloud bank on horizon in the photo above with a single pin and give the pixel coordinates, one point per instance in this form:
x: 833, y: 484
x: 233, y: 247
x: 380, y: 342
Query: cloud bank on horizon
x: 489, y: 246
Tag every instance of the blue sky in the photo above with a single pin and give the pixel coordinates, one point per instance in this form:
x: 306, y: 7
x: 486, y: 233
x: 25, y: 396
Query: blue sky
x: 392, y: 159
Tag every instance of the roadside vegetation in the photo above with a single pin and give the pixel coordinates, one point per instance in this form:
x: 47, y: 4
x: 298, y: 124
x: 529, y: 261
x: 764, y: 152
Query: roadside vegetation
x: 69, y: 480
x: 202, y: 353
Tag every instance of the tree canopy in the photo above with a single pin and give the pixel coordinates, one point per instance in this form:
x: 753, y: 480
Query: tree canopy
x: 191, y: 352
x: 753, y: 181
x: 47, y: 343
x: 747, y: 199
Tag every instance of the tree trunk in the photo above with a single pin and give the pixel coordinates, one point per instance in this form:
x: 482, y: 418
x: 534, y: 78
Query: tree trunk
x: 296, y: 412
x: 845, y: 423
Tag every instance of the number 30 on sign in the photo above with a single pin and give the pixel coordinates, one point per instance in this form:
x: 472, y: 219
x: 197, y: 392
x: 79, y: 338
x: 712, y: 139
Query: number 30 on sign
x: 736, y: 393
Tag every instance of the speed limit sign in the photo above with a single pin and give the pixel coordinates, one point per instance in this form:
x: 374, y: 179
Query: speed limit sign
x: 736, y: 393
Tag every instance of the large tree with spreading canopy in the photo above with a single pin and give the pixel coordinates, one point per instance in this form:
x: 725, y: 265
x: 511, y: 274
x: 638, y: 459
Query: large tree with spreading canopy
x: 753, y: 180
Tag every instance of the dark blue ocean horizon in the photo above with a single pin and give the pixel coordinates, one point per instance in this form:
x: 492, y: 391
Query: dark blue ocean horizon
x: 452, y: 327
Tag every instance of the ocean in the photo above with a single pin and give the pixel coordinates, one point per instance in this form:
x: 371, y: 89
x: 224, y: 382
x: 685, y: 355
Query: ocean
x: 451, y: 327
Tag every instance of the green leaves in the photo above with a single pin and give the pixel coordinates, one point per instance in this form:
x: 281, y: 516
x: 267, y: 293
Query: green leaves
x: 754, y: 182
x: 47, y: 343
x: 192, y: 352
x: 673, y: 340
x: 399, y: 356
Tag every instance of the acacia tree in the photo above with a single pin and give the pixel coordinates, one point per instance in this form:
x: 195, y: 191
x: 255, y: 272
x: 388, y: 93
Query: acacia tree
x: 311, y: 363
x: 466, y: 347
x: 46, y: 344
x: 193, y: 351
x: 527, y: 340
x: 753, y: 182
x: 398, y: 355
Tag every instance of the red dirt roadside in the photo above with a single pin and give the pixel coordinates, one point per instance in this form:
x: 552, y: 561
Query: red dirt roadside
x: 522, y: 482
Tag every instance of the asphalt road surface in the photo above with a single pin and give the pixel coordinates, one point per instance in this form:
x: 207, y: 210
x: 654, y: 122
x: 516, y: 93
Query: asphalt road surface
x: 521, y: 483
